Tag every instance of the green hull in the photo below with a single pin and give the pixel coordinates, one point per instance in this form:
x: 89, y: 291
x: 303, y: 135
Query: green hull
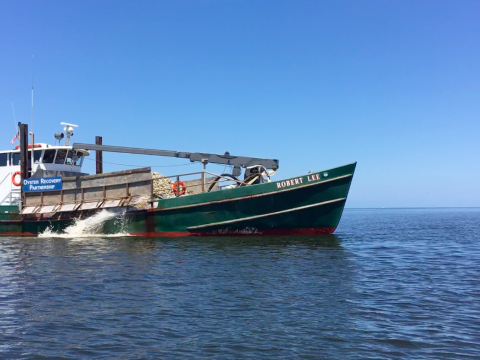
x: 309, y: 204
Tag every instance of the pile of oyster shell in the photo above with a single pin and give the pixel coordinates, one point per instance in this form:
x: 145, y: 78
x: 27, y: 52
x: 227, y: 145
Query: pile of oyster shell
x: 163, y: 186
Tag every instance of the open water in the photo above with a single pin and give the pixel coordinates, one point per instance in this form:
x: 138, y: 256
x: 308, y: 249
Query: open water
x: 391, y: 284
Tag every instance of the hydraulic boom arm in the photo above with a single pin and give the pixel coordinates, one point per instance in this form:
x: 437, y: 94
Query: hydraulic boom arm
x: 225, y: 159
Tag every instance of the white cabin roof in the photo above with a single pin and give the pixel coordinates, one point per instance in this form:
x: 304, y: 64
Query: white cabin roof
x: 44, y: 146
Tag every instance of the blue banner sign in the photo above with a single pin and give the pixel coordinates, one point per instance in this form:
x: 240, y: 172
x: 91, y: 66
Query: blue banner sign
x: 42, y: 184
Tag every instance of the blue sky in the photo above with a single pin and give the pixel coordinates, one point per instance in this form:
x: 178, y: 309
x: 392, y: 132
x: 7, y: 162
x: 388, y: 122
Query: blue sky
x: 394, y: 85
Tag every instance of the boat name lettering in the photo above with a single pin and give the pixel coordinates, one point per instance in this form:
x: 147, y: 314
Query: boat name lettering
x: 297, y: 181
x: 42, y: 184
x: 291, y: 182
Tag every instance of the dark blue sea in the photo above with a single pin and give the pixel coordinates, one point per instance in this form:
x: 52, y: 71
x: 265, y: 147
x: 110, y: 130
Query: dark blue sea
x: 390, y: 284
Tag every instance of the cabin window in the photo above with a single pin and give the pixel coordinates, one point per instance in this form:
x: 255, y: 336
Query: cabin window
x: 15, y: 159
x: 49, y: 156
x: 71, y: 158
x: 74, y: 158
x: 3, y: 159
x: 79, y: 159
x: 61, y: 155
x: 37, y: 154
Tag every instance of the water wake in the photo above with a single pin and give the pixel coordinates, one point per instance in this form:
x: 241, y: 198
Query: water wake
x: 89, y: 227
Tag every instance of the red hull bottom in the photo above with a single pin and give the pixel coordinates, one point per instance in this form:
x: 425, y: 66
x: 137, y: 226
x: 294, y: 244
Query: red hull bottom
x: 18, y: 234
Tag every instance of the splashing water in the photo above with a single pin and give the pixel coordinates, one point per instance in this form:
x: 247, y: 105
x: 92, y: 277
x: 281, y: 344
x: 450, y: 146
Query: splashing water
x: 88, y: 227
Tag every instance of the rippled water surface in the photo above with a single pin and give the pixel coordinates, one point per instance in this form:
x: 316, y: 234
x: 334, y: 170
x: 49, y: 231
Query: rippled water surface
x: 391, y: 284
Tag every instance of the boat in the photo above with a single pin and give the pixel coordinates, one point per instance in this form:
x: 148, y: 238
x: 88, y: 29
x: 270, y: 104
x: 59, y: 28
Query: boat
x: 43, y: 188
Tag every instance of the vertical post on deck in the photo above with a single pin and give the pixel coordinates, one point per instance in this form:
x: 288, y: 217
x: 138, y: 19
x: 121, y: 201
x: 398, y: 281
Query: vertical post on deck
x: 99, y: 156
x: 204, y: 162
x: 24, y: 151
x: 23, y: 129
x: 178, y: 186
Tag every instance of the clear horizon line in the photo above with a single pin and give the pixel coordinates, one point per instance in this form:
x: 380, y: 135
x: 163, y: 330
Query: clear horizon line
x: 416, y: 207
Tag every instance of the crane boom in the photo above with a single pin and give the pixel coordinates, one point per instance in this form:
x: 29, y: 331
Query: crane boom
x: 225, y: 159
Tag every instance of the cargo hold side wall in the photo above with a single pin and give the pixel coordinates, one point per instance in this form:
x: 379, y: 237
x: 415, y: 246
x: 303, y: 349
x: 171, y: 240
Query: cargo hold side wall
x: 93, y: 191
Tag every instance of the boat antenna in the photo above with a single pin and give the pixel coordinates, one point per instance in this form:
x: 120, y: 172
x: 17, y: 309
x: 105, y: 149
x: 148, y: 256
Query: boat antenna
x: 31, y: 119
x: 15, y: 119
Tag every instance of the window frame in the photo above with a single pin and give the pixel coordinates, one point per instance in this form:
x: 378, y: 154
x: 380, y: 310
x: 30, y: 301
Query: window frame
x: 7, y: 158
x: 12, y: 158
x: 64, y: 156
x: 53, y: 159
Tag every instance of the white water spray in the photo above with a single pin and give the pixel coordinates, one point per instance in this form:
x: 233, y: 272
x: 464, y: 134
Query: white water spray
x: 89, y: 227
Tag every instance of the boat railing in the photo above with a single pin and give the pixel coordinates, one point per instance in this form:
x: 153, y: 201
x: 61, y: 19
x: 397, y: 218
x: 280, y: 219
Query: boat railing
x: 205, y: 184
